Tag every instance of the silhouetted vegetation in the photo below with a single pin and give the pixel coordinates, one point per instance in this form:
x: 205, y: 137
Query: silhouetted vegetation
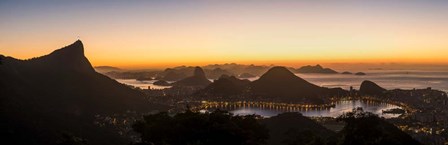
x: 296, y: 137
x: 365, y: 128
x: 192, y: 128
x: 295, y: 129
x: 222, y: 128
x: 69, y: 139
x: 444, y: 133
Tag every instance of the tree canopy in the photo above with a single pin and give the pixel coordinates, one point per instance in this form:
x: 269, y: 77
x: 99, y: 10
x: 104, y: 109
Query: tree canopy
x: 193, y: 128
x: 365, y: 128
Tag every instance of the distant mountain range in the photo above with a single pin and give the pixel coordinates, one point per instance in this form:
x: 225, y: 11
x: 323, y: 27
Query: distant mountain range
x: 211, y: 71
x: 181, y: 72
x: 58, y: 92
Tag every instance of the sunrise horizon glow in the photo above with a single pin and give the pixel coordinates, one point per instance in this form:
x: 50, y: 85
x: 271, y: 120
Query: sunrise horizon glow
x: 139, y: 34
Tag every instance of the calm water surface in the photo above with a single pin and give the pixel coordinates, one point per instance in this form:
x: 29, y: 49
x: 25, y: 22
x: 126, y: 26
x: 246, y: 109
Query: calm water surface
x: 142, y: 84
x: 386, y: 79
x: 340, y: 108
x: 389, y: 79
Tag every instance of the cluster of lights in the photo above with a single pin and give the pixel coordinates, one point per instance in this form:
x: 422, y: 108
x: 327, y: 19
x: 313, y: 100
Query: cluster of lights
x: 289, y: 106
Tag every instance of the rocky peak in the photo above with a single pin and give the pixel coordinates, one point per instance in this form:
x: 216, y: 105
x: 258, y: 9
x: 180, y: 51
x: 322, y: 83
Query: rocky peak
x: 73, y: 50
x: 70, y: 57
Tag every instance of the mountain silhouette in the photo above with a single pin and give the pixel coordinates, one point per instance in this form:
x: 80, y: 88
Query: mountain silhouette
x: 360, y: 74
x: 281, y: 83
x: 197, y: 80
x: 278, y: 83
x: 70, y: 58
x: 225, y: 86
x: 106, y: 69
x: 61, y: 91
x: 315, y: 69
x: 370, y: 88
x: 346, y: 73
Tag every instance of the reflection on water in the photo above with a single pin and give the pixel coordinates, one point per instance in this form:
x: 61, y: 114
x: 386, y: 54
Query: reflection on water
x: 341, y: 107
x: 142, y: 84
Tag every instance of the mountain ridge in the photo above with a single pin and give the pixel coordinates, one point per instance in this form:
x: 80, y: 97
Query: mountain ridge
x: 61, y: 92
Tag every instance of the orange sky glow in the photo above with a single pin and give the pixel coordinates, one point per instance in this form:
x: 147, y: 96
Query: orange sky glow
x: 294, y: 33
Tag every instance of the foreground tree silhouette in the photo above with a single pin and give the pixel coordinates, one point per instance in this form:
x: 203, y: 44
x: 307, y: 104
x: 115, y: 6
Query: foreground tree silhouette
x: 444, y: 134
x: 307, y: 137
x: 67, y: 138
x: 191, y: 128
x: 365, y: 128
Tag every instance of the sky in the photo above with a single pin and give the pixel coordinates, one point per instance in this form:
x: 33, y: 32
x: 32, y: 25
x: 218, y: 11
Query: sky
x: 141, y: 34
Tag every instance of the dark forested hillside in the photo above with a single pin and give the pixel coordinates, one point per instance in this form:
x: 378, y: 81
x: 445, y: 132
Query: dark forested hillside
x: 60, y: 92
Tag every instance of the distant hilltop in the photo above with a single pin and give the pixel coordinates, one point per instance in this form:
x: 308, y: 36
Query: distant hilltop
x: 105, y: 69
x: 279, y: 81
x: 370, y: 88
x: 315, y: 69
